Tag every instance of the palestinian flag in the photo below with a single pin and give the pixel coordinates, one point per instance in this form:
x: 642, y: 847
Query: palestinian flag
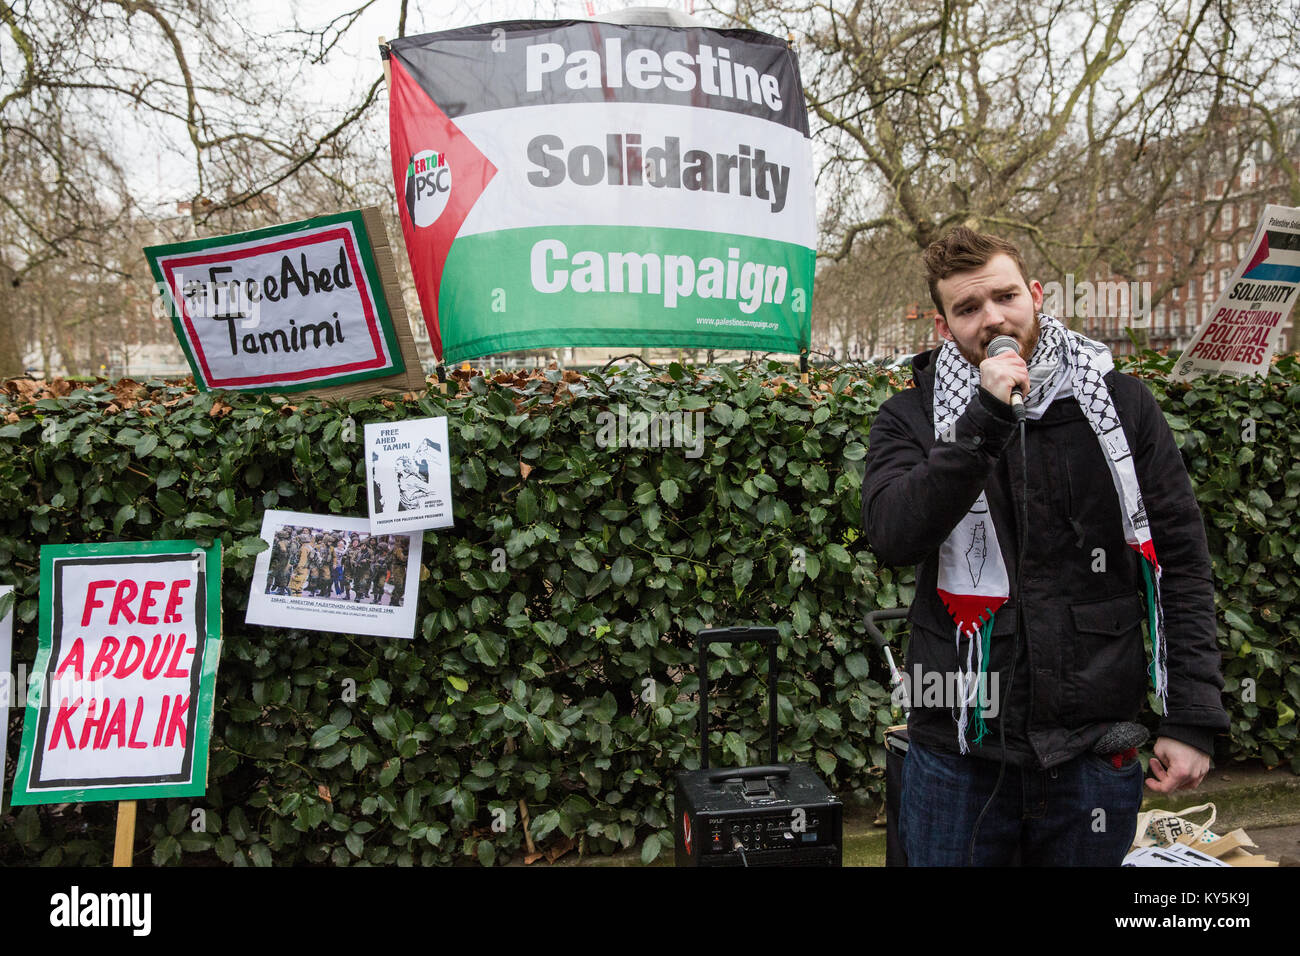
x: 1276, y: 258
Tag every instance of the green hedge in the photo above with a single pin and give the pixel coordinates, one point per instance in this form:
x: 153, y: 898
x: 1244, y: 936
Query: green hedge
x: 552, y: 660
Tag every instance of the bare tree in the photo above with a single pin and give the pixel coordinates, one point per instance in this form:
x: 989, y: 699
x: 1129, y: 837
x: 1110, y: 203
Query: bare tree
x: 247, y: 112
x: 1066, y: 125
x: 863, y: 300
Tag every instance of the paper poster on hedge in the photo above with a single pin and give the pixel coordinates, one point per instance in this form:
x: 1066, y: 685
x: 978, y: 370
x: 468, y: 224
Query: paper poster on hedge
x: 408, y: 475
x: 120, y: 704
x: 290, y: 307
x: 326, y: 573
x: 574, y: 183
x: 1247, y: 319
x: 7, y: 597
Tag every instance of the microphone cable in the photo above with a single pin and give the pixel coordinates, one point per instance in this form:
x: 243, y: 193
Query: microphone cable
x: 1015, y: 649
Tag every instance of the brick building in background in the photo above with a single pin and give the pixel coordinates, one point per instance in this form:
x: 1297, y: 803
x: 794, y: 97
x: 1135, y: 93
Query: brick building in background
x: 1105, y: 304
x: 1176, y: 231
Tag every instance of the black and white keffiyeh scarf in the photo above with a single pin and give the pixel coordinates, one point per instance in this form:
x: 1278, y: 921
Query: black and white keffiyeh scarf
x: 972, y: 573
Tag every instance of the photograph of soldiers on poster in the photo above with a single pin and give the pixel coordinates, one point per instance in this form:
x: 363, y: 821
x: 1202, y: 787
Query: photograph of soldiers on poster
x: 326, y: 573
x: 356, y: 566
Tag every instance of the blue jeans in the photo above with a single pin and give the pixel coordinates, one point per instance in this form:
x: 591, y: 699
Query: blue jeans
x: 1080, y: 813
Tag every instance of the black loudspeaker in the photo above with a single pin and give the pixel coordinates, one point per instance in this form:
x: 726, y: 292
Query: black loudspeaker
x: 772, y: 815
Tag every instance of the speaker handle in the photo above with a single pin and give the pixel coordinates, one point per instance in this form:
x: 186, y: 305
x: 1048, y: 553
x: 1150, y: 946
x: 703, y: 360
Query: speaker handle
x: 749, y: 773
x: 737, y: 635
x: 886, y: 614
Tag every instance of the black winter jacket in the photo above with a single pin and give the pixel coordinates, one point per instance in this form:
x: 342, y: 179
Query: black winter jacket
x: 1086, y: 666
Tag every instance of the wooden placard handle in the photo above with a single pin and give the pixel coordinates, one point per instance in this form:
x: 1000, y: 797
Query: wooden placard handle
x: 124, y: 846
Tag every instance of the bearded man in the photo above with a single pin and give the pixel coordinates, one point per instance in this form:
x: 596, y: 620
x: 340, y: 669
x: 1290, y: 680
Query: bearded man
x: 1037, y: 568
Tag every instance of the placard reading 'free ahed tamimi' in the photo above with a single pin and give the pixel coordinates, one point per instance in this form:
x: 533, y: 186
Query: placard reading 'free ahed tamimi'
x: 408, y: 474
x: 308, y: 305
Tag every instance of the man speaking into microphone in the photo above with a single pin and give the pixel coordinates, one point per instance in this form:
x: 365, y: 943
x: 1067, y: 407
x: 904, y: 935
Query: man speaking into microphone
x: 1037, y: 567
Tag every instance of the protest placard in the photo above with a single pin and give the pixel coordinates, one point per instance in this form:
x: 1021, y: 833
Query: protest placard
x: 120, y: 705
x: 578, y: 183
x: 311, y: 305
x: 326, y: 573
x: 408, y: 475
x: 6, y: 659
x: 1246, y: 321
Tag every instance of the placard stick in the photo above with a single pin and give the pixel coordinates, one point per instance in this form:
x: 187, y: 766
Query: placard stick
x: 528, y: 837
x: 124, y: 847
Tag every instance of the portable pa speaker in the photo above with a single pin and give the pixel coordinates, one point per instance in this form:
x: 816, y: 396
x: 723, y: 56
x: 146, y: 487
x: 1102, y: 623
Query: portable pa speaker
x: 772, y: 815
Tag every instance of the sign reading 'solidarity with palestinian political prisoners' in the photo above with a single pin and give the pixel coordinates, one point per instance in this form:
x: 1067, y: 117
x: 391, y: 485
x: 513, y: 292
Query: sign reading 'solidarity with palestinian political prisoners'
x: 1242, y: 329
x: 578, y: 183
x: 130, y: 637
x: 290, y: 307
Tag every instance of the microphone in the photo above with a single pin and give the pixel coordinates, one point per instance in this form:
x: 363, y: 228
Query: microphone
x: 999, y: 345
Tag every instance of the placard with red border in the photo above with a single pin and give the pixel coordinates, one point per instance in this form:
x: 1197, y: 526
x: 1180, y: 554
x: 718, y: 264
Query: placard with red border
x: 291, y: 307
x: 121, y: 700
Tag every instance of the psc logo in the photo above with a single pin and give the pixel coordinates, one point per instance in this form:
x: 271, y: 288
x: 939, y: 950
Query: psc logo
x: 428, y: 186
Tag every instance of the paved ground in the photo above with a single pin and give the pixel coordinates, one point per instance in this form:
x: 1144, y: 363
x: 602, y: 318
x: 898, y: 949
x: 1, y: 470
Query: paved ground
x: 1278, y: 843
x: 1263, y: 802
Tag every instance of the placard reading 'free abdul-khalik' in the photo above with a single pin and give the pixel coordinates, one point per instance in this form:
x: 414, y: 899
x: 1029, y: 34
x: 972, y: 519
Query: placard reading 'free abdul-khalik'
x: 130, y: 637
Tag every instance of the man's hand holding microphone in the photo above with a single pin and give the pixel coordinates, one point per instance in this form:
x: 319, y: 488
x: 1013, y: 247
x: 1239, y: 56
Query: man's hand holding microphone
x: 1004, y: 374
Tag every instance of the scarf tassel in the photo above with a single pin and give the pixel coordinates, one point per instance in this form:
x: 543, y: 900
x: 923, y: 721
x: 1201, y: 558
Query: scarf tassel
x: 1158, y: 670
x: 986, y: 635
x: 972, y: 682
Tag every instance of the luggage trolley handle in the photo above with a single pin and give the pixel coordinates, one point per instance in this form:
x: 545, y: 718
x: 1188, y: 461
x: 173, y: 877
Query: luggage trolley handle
x: 886, y: 614
x: 737, y: 635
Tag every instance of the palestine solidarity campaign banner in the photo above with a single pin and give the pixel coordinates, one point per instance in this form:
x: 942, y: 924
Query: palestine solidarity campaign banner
x: 578, y: 183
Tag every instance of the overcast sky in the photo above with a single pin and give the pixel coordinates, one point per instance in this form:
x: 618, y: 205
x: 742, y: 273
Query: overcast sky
x: 161, y: 165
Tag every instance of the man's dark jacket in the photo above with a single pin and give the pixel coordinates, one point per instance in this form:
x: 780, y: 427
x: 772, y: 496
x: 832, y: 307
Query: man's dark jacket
x: 1084, y: 595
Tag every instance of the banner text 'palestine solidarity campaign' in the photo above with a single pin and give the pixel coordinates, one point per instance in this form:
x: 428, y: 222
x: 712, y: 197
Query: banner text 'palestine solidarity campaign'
x: 578, y: 183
